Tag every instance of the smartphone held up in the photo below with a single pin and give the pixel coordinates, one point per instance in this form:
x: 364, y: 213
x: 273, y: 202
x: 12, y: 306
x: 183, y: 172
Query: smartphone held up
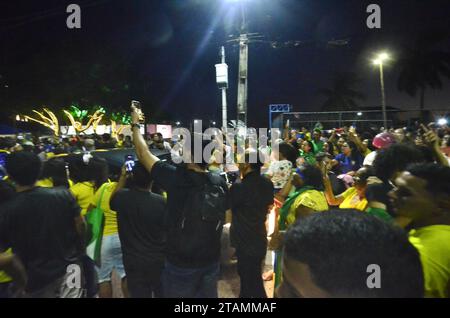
x: 129, y: 163
x: 137, y: 105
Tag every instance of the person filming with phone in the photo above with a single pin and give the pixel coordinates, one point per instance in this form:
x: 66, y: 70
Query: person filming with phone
x: 196, y: 204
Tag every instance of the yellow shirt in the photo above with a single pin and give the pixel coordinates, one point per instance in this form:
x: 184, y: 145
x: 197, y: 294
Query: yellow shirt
x: 4, y: 278
x: 110, y: 227
x: 352, y: 200
x: 48, y: 183
x: 312, y: 199
x: 45, y: 183
x: 84, y: 194
x: 433, y: 244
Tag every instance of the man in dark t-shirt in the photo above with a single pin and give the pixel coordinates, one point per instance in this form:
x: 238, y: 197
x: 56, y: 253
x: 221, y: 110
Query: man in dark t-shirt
x: 194, y: 274
x: 44, y: 228
x: 141, y: 221
x: 250, y: 201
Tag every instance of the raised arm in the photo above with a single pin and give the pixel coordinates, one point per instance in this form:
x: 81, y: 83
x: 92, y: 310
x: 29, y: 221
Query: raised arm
x: 146, y: 158
x: 332, y: 200
x: 121, y: 184
x: 432, y: 141
x: 361, y: 147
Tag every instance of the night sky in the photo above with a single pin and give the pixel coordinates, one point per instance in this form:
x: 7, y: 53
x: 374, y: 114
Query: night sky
x: 163, y: 53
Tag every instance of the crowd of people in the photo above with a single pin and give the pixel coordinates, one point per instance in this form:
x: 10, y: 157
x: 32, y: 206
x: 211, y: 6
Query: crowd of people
x: 343, y: 201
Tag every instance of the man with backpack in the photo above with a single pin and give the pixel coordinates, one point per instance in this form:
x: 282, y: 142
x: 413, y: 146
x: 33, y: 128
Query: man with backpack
x: 196, y: 202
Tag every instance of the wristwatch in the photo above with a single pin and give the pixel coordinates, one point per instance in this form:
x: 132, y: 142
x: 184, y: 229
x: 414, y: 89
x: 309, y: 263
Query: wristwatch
x: 135, y: 125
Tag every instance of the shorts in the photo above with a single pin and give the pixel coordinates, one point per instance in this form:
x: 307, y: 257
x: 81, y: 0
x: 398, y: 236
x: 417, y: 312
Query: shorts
x: 111, y: 258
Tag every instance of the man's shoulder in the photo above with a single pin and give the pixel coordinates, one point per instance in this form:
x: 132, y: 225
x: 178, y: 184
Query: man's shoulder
x: 53, y: 194
x: 164, y: 166
x: 217, y: 180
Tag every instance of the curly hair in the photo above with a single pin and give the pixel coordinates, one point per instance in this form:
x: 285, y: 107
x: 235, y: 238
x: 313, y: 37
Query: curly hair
x: 395, y: 158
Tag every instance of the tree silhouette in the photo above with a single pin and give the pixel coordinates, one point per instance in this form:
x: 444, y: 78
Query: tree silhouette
x: 343, y: 95
x: 424, y: 65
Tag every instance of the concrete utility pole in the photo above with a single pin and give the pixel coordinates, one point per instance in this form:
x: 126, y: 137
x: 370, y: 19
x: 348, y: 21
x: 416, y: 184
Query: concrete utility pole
x: 224, y: 93
x: 222, y: 82
x: 243, y: 79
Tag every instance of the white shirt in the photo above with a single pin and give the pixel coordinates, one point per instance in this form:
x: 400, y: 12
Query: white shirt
x: 368, y: 160
x: 280, y: 172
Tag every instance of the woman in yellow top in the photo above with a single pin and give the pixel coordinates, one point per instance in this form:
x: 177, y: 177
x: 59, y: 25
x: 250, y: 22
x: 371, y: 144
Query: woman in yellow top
x: 307, y: 196
x: 54, y: 174
x: 354, y: 197
x: 111, y: 250
x: 89, y: 174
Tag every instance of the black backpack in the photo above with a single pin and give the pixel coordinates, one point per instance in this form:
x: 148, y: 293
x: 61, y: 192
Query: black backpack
x: 197, y: 233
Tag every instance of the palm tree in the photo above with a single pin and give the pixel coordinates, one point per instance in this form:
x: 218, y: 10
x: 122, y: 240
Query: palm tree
x: 342, y: 96
x: 424, y: 66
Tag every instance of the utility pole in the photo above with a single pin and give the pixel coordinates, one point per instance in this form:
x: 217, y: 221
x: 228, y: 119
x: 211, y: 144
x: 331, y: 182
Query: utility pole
x: 222, y: 82
x: 243, y: 79
x: 242, y: 94
x: 383, y: 97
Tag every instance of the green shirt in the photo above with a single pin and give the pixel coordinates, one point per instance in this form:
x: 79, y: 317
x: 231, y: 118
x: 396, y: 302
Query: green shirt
x: 317, y: 145
x: 308, y: 156
x: 380, y: 213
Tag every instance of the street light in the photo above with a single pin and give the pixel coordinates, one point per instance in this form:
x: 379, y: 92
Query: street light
x: 442, y: 121
x: 380, y: 59
x: 359, y: 114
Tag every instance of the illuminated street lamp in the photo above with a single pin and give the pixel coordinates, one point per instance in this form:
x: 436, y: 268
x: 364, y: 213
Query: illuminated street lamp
x: 442, y: 121
x: 380, y: 59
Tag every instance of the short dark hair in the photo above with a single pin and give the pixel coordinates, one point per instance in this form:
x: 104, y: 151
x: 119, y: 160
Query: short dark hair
x: 98, y: 171
x: 55, y: 169
x: 339, y: 245
x: 288, y: 151
x: 395, y: 158
x: 255, y: 166
x: 437, y: 177
x: 141, y: 177
x: 24, y: 168
x: 312, y: 176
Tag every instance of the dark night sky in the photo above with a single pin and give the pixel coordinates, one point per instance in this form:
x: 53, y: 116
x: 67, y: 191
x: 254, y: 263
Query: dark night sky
x: 171, y: 47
